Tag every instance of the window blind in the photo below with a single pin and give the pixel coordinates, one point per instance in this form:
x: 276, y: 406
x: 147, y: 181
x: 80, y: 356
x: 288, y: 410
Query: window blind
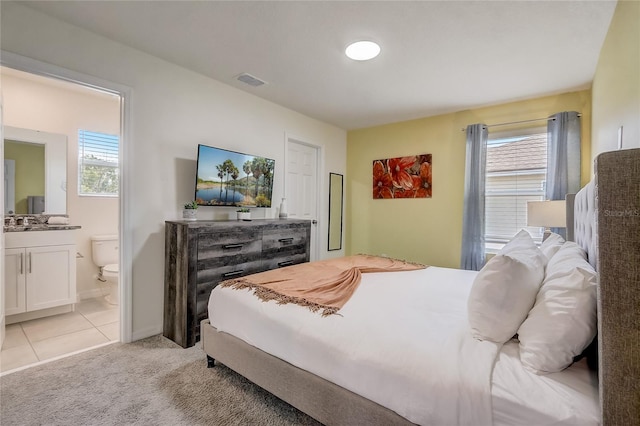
x: 98, y: 163
x: 516, y: 173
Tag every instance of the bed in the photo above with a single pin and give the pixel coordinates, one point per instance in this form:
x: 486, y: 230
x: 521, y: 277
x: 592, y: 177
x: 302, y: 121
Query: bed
x: 337, y: 370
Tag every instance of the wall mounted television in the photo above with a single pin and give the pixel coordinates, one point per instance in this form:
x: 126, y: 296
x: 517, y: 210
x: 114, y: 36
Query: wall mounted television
x: 228, y: 178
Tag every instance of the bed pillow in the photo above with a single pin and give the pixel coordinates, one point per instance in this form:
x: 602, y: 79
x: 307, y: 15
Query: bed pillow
x: 521, y: 241
x: 505, y: 289
x: 562, y: 322
x: 551, y: 245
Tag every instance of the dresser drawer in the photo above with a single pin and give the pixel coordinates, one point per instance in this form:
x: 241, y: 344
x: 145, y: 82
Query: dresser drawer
x: 282, y: 261
x: 277, y: 242
x: 227, y: 248
x: 227, y: 272
x: 209, y: 279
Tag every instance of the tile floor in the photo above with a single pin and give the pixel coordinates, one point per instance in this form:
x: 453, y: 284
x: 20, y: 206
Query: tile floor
x: 94, y: 322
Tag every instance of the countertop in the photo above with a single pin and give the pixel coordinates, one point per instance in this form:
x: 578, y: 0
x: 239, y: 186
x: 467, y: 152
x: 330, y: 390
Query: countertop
x: 38, y: 227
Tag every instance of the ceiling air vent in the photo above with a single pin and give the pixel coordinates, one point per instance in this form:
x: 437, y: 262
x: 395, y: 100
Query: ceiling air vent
x: 250, y: 80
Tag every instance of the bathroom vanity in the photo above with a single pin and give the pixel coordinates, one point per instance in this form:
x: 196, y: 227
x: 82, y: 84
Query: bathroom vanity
x: 40, y: 271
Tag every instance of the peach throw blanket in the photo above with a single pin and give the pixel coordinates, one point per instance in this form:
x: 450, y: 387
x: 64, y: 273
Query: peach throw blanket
x: 323, y: 285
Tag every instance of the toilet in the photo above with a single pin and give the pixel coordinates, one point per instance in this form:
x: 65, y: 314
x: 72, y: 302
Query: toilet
x: 104, y: 252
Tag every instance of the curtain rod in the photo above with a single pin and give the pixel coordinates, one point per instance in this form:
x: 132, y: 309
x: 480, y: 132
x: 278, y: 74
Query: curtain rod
x: 519, y: 122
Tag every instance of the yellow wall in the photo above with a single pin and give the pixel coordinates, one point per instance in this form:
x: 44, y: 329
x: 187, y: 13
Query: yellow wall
x: 616, y: 84
x: 29, y: 176
x: 430, y: 230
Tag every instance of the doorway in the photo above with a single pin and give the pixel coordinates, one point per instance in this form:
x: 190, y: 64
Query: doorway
x: 96, y: 319
x: 302, y: 186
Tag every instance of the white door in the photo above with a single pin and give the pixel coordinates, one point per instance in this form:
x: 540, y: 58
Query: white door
x: 301, y: 187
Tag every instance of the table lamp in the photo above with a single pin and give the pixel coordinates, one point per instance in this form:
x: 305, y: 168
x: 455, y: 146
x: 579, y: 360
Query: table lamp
x: 547, y: 214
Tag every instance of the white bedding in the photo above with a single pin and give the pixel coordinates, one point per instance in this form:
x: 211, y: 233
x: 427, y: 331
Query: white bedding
x: 403, y: 341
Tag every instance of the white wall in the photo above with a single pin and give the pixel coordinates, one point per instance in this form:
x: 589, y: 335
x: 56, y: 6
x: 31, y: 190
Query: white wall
x: 172, y: 111
x: 616, y: 83
x: 56, y: 108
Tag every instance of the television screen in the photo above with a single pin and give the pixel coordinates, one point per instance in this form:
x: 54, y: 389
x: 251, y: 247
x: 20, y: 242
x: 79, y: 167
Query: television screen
x: 228, y: 178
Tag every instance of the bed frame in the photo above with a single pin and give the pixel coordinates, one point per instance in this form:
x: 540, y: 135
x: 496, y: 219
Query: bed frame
x: 607, y: 226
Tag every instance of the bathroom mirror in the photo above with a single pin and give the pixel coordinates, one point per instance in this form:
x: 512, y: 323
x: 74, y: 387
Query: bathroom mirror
x: 335, y: 211
x: 26, y: 145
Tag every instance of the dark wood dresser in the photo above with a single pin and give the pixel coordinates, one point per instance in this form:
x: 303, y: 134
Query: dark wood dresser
x: 201, y: 254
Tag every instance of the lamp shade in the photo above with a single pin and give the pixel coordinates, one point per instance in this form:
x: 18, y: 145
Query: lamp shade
x: 550, y: 214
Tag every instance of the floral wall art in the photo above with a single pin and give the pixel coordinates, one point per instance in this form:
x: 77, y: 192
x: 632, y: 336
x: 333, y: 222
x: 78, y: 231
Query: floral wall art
x: 402, y: 177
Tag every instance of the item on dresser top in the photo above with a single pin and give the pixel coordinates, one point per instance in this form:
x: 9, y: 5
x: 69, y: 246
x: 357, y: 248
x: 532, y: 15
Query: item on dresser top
x: 243, y: 214
x: 190, y: 211
x: 283, y: 209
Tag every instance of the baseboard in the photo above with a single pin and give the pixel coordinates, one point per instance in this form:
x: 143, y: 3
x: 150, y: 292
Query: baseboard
x: 40, y: 313
x: 91, y: 294
x: 146, y: 332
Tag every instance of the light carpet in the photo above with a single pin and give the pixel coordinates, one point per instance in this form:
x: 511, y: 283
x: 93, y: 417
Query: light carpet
x: 149, y: 382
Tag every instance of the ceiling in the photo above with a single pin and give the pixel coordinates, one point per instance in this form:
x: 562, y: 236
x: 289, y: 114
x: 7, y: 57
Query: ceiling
x: 437, y: 56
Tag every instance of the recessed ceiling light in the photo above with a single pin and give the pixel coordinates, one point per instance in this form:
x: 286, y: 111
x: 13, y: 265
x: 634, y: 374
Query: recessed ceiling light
x: 362, y: 50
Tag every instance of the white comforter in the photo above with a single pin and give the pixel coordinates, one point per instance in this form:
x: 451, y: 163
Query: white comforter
x: 402, y: 341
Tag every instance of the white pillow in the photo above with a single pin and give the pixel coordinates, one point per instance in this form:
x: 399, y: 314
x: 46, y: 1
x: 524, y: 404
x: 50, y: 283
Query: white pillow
x: 504, y: 290
x: 521, y: 241
x: 551, y: 245
x: 562, y: 322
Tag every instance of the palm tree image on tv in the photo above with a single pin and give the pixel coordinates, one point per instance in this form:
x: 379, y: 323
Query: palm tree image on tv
x: 227, y: 178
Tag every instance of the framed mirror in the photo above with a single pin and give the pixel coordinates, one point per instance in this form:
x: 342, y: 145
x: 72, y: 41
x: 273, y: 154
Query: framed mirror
x: 48, y: 184
x: 335, y: 211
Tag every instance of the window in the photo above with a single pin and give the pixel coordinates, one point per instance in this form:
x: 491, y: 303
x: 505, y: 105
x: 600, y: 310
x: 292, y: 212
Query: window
x: 97, y: 163
x: 516, y: 173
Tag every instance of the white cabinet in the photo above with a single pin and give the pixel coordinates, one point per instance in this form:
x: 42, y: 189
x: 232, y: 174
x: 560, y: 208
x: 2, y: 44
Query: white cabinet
x: 40, y: 270
x: 15, y: 300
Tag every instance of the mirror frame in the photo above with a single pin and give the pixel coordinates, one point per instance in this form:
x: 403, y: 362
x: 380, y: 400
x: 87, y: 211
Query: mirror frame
x: 55, y: 164
x: 336, y: 195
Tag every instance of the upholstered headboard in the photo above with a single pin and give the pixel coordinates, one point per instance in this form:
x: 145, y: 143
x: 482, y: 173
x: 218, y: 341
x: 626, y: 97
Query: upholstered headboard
x: 617, y: 193
x: 585, y: 222
x: 607, y: 226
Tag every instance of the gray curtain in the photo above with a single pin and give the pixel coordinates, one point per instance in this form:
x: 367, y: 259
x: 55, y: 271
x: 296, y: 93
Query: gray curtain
x: 473, y: 255
x: 563, y: 157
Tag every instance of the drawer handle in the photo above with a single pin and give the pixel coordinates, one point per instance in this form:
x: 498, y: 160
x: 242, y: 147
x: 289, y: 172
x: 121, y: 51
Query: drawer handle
x: 232, y: 246
x: 21, y: 263
x: 232, y: 274
x: 285, y: 263
x: 286, y: 240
